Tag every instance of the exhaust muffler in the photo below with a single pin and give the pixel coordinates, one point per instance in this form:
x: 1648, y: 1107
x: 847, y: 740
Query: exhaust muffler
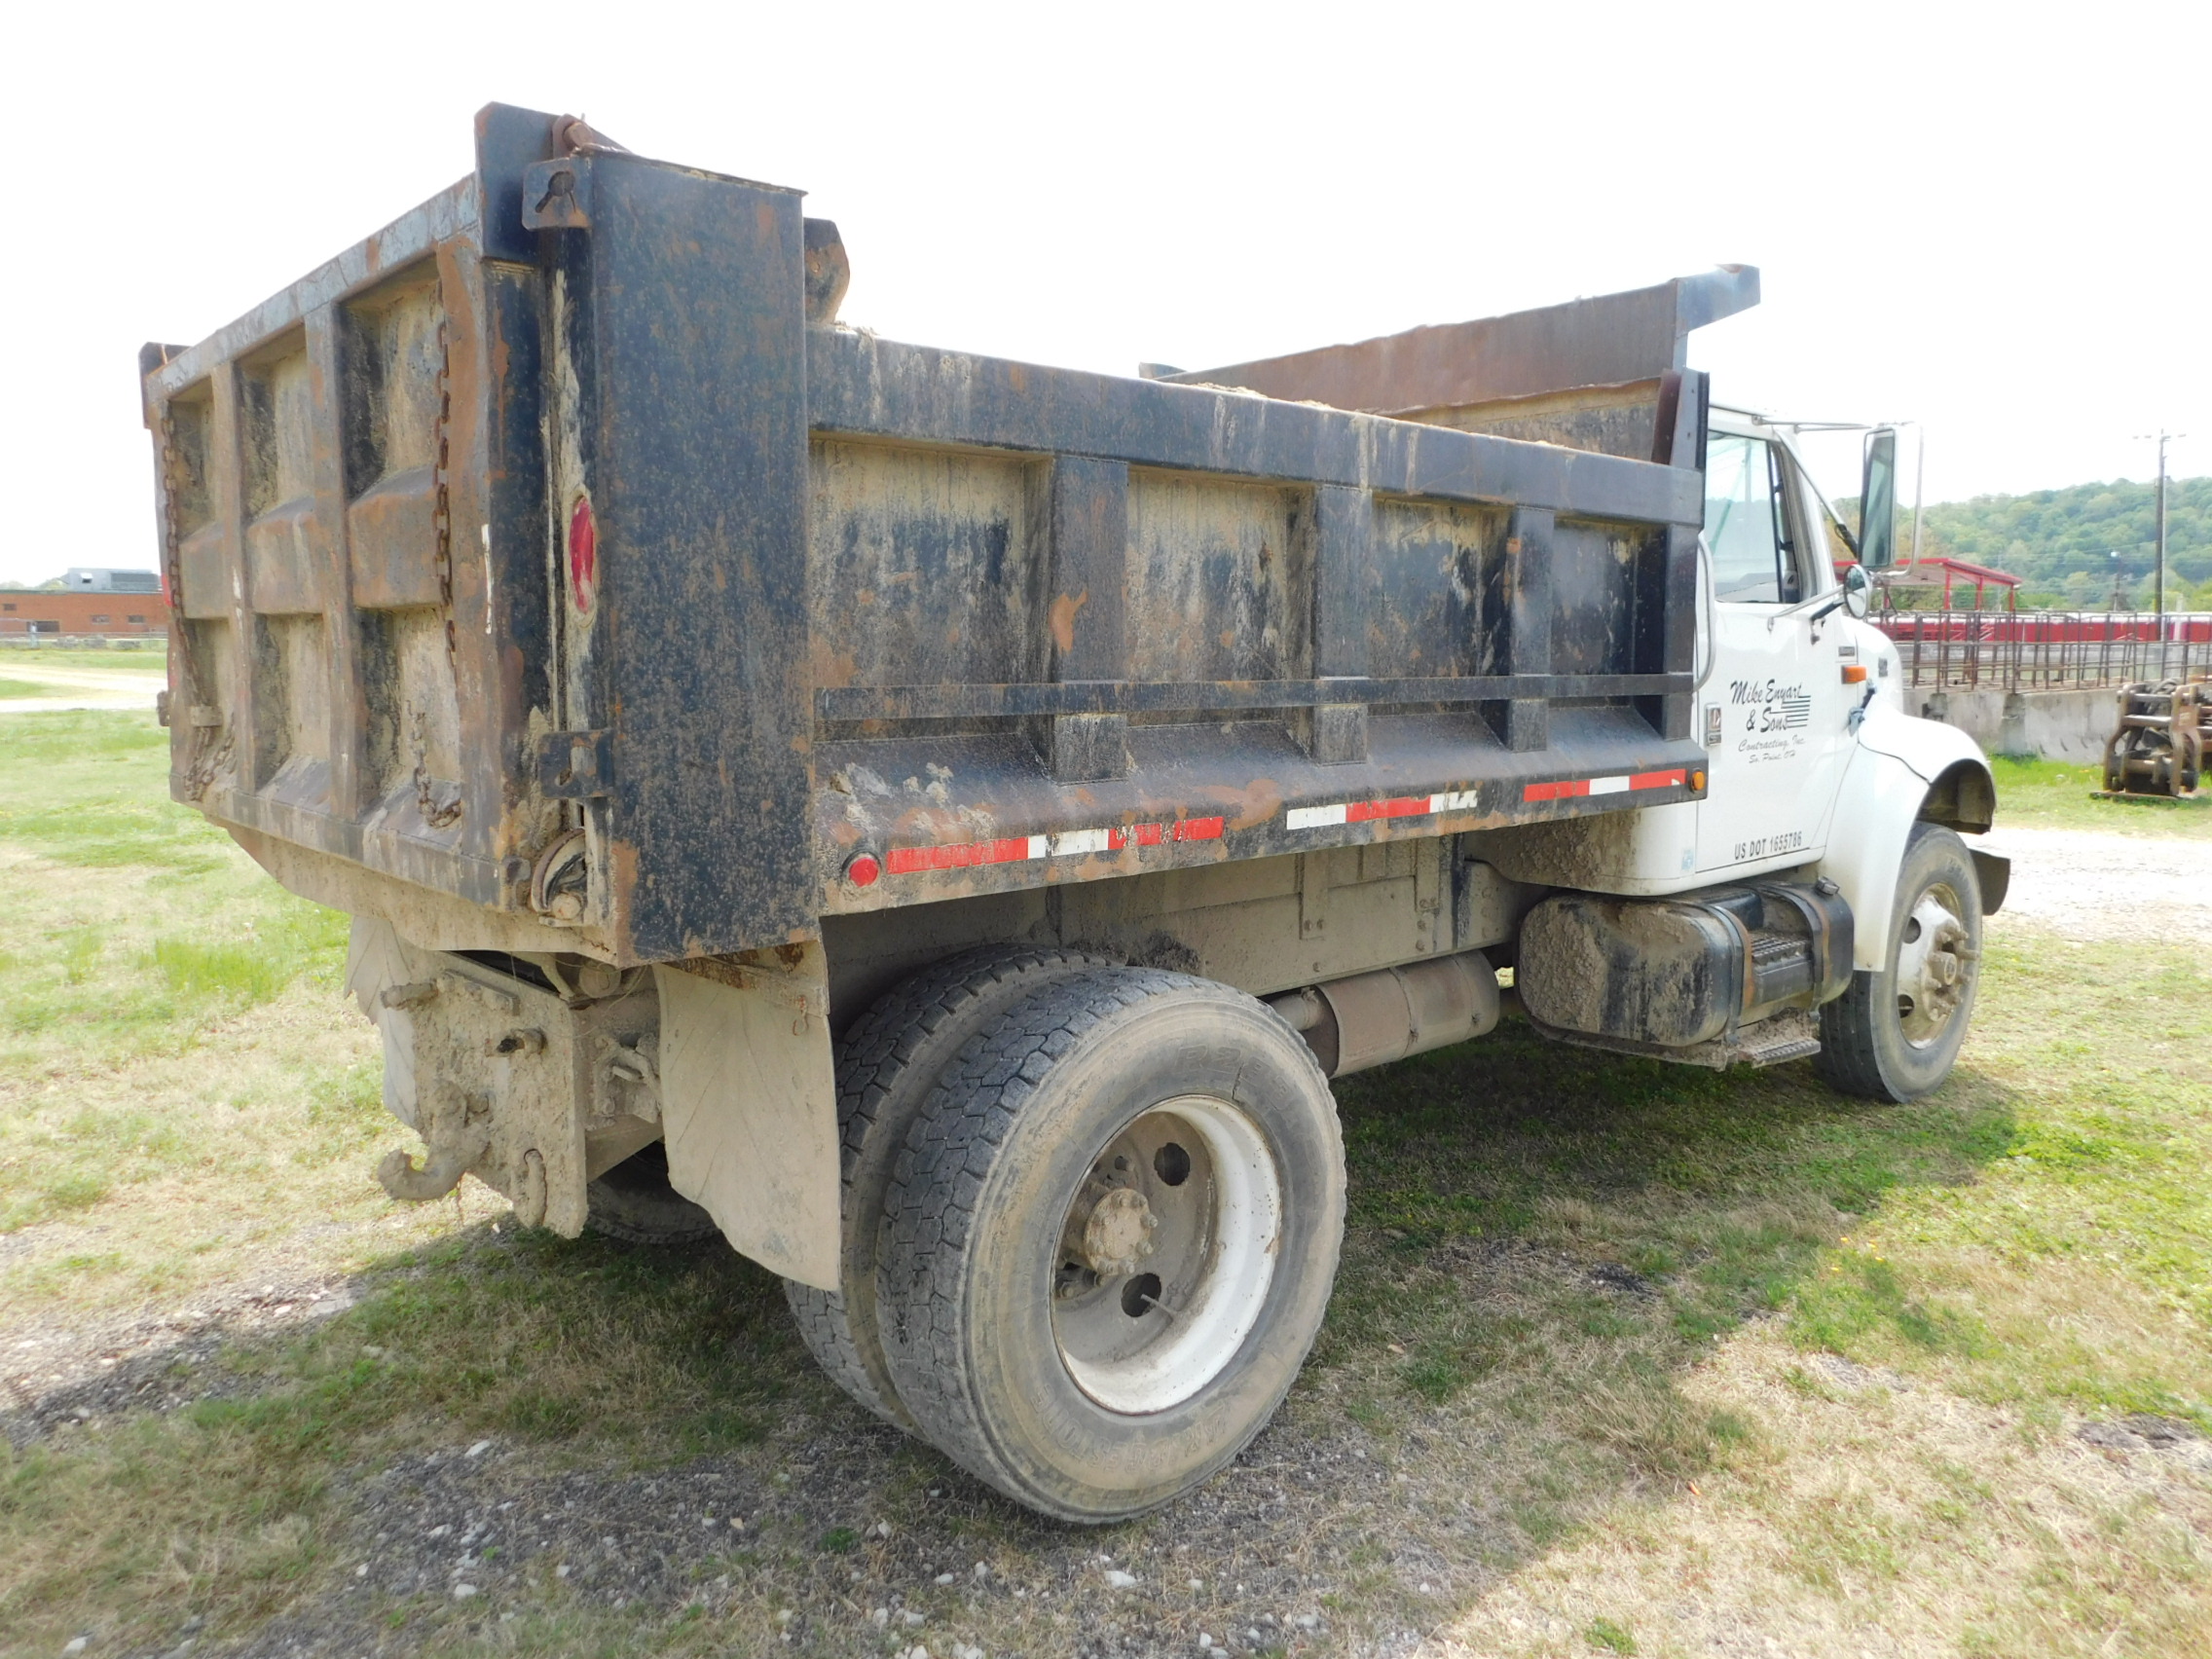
x: 1370, y: 1020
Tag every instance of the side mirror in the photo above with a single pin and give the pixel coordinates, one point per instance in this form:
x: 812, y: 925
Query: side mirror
x: 1878, y: 502
x: 1857, y: 591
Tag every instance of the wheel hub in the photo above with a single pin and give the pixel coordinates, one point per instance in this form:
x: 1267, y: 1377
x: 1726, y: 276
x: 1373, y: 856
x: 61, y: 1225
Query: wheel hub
x: 1167, y: 1253
x: 1935, y: 966
x: 1118, y: 1234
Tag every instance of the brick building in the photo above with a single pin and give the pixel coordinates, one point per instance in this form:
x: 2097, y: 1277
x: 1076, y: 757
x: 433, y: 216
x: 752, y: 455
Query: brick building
x: 58, y: 612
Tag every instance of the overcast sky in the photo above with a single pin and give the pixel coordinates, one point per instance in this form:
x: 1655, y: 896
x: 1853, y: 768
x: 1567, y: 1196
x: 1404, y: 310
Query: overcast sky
x: 1989, y: 218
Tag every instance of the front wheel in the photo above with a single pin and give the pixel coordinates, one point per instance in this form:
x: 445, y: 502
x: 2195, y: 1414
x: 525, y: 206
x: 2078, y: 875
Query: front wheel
x: 1895, y: 1034
x: 1109, y: 1240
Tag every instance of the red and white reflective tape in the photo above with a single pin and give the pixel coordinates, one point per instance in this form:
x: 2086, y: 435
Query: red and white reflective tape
x: 1067, y: 845
x: 1361, y: 811
x: 1575, y: 787
x: 1463, y: 800
x: 1115, y: 839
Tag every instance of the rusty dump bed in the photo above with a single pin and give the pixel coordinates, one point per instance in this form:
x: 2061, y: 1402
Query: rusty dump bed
x: 553, y: 573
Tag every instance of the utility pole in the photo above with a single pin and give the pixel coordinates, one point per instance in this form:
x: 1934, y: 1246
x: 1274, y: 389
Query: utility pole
x: 2159, y: 582
x: 2159, y: 570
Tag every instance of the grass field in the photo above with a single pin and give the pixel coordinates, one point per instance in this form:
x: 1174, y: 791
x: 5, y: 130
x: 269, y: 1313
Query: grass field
x: 151, y: 657
x: 1624, y: 1357
x: 2051, y: 794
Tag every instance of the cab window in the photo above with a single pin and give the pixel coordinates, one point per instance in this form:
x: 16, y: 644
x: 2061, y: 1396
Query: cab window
x: 1747, y: 527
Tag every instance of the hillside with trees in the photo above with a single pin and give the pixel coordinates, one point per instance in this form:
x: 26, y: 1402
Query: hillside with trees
x: 2062, y: 541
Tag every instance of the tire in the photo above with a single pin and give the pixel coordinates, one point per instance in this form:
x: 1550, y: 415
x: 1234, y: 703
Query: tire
x: 1085, y: 1362
x: 634, y: 1202
x: 886, y: 1067
x: 1895, y: 1034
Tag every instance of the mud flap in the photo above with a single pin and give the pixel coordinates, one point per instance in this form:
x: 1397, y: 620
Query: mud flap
x: 1995, y: 875
x: 376, y: 960
x: 749, y: 1102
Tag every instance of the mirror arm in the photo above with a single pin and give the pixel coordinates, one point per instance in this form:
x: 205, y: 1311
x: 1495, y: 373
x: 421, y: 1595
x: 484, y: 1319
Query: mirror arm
x: 1827, y: 598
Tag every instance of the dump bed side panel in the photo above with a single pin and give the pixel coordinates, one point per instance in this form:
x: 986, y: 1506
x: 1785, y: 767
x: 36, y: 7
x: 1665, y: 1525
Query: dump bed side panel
x: 1067, y: 626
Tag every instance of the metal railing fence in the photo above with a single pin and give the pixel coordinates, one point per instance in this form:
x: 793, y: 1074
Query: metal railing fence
x: 2047, y: 650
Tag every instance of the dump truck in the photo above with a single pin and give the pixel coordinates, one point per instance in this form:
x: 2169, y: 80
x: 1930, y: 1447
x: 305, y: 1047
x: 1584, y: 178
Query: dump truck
x: 942, y: 823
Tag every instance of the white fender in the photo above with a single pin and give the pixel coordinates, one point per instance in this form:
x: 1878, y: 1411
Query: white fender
x: 1898, y: 759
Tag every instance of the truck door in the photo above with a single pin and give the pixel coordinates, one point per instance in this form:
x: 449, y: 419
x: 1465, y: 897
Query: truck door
x: 1773, y: 711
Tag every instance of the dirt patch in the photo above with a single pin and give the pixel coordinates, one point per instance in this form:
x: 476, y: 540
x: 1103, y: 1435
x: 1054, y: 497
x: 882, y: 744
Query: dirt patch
x: 485, y: 1528
x: 67, y: 1375
x: 2140, y: 1431
x: 1842, y: 1532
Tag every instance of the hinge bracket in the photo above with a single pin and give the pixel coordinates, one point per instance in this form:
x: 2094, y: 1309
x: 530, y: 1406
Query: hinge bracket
x: 574, y: 765
x: 556, y: 196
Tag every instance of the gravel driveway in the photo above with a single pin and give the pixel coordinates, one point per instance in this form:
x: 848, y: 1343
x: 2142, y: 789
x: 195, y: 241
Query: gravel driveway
x: 2092, y: 885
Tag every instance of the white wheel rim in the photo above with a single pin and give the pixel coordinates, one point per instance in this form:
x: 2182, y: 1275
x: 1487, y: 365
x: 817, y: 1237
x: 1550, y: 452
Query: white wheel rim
x: 1935, y: 966
x: 1145, y: 1339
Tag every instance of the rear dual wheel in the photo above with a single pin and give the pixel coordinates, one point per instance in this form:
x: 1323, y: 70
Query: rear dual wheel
x: 1108, y: 1240
x: 886, y: 1067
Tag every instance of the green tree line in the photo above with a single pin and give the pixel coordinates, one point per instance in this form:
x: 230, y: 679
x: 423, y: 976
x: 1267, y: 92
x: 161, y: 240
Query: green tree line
x: 2063, y: 541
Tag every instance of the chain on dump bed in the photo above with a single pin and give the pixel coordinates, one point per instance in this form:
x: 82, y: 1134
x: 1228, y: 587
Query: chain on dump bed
x: 436, y: 814
x: 204, y: 755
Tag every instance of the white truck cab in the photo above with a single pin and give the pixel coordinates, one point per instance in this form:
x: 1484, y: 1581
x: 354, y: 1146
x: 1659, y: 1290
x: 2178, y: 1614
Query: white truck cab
x: 1817, y: 774
x: 1802, y: 707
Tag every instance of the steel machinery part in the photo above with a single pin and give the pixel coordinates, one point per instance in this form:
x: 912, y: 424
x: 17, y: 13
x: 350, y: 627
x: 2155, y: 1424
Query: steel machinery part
x: 1370, y: 1020
x: 1934, y: 965
x: 2159, y: 744
x: 1717, y: 978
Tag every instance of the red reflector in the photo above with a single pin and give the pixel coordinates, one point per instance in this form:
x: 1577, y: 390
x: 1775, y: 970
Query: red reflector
x: 862, y: 869
x: 584, y: 555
